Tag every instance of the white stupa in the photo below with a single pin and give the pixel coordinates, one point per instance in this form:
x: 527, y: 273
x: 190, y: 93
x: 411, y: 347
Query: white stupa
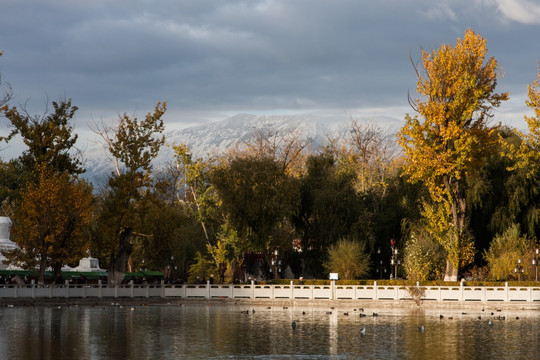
x: 5, y: 242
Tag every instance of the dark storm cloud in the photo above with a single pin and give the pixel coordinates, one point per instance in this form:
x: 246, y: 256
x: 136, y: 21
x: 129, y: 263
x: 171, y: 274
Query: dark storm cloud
x: 232, y: 56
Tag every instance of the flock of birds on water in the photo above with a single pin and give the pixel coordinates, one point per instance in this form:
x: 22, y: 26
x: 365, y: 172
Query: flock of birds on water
x: 374, y: 314
x: 359, y: 310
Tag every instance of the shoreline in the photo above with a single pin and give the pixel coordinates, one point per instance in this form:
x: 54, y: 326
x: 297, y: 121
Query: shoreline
x: 301, y: 303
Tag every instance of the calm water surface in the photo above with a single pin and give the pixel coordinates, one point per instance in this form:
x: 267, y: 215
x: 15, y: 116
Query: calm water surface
x: 227, y: 332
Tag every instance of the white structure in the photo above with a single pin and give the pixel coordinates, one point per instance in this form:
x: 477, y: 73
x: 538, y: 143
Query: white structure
x: 5, y: 242
x: 88, y: 264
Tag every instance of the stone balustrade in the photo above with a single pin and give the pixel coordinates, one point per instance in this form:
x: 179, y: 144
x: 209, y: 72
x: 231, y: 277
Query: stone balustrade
x: 291, y: 291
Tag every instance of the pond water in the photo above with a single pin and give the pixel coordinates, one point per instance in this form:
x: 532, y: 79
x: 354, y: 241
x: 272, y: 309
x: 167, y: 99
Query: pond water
x: 236, y: 332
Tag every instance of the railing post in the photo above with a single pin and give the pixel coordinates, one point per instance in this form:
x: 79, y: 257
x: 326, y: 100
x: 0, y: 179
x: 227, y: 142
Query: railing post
x: 66, y: 292
x: 253, y: 289
x: 292, y: 289
x: 375, y: 297
x: 100, y: 294
x: 333, y: 288
x: 131, y: 291
x: 208, y: 289
x: 162, y: 288
x: 507, y: 291
x: 33, y: 288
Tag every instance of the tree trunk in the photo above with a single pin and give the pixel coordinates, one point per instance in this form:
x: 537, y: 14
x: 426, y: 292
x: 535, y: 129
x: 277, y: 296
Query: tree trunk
x: 451, y: 272
x: 57, y: 274
x: 42, y: 267
x: 458, y: 208
x: 119, y: 262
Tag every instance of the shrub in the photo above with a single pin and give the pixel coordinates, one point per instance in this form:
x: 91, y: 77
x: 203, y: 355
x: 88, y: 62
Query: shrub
x: 424, y: 258
x: 504, y: 252
x: 202, y: 269
x: 348, y: 258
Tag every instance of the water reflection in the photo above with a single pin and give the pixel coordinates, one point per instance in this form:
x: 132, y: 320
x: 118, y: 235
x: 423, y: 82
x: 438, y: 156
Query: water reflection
x: 227, y: 332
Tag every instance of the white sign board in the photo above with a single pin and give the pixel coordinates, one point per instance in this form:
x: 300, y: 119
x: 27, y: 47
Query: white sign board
x: 334, y: 276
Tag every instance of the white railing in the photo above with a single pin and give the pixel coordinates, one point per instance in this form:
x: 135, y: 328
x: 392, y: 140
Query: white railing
x: 291, y: 291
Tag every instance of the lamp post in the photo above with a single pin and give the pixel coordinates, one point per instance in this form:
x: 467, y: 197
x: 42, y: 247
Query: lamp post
x: 394, y: 260
x: 381, y: 264
x: 169, y: 268
x: 519, y: 269
x: 276, y: 264
x: 535, y: 263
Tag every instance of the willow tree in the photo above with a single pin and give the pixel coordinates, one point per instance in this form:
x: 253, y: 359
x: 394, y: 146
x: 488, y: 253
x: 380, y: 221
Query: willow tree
x: 450, y: 137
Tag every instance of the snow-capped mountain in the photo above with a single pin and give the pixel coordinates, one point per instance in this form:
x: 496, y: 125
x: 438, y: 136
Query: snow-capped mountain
x: 222, y: 135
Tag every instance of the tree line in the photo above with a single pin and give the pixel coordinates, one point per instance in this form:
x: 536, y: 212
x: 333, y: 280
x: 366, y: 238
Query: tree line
x: 458, y: 196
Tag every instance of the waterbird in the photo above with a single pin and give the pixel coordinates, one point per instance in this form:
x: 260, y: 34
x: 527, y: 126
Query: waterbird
x: 345, y: 313
x: 421, y: 328
x: 244, y: 312
x: 303, y: 313
x: 375, y: 314
x: 441, y: 317
x: 362, y: 315
x: 517, y: 317
x: 479, y: 318
x: 490, y: 323
x: 293, y: 324
x: 253, y: 311
x: 285, y: 308
x: 132, y: 309
x: 363, y: 331
x: 328, y: 313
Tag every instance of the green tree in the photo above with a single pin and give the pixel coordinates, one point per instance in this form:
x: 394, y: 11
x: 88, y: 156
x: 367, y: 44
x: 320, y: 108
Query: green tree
x: 454, y: 139
x: 258, y: 198
x: 195, y: 188
x: 49, y: 138
x: 6, y: 95
x: 133, y: 144
x: 348, y: 258
x: 329, y: 209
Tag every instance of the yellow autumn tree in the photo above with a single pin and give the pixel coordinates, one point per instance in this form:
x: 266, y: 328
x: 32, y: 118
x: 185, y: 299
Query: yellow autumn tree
x: 527, y: 156
x: 450, y: 138
x: 50, y: 222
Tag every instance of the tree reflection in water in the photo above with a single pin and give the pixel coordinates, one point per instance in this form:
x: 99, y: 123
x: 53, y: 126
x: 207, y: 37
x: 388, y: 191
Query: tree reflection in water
x: 227, y: 331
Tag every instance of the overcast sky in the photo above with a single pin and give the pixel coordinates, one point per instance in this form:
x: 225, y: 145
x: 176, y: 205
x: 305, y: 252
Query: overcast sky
x: 213, y: 59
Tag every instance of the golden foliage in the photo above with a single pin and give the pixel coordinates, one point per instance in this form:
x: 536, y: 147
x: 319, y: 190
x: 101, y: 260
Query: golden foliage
x: 527, y: 156
x: 459, y: 92
x: 454, y: 139
x: 51, y: 220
